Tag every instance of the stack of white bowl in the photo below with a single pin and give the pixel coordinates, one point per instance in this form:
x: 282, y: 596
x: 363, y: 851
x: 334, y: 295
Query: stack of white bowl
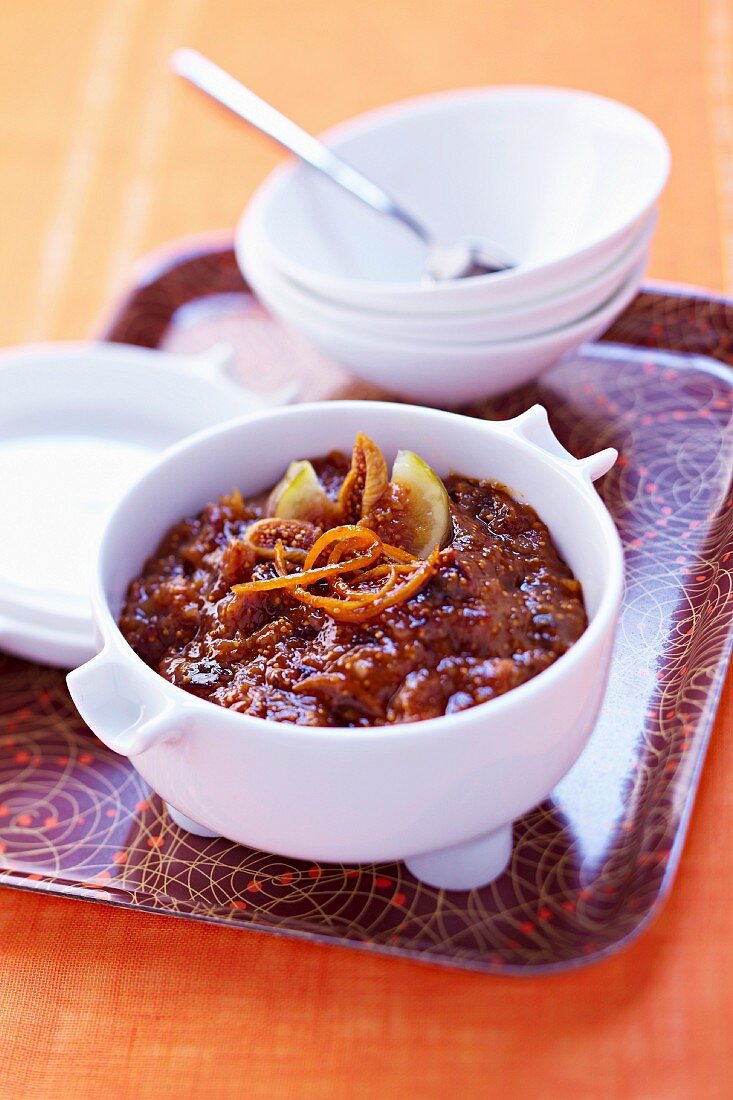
x: 565, y: 182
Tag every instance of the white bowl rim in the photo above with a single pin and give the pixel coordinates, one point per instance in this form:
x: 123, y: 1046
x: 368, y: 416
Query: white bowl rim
x: 631, y: 256
x: 405, y: 731
x: 597, y: 315
x: 420, y: 104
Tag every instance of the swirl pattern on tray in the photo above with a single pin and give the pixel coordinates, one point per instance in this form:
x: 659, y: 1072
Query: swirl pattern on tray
x: 590, y: 863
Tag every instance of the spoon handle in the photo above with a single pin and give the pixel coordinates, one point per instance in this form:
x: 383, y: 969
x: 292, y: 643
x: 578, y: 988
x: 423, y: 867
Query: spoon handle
x: 226, y: 90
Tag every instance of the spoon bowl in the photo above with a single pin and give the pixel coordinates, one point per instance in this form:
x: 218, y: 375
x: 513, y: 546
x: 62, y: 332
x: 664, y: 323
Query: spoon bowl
x: 446, y: 262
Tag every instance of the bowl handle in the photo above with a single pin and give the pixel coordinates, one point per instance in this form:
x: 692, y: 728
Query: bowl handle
x: 126, y: 714
x: 534, y: 426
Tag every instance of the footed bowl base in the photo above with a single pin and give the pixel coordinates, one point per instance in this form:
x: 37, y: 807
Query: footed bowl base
x: 462, y: 867
x: 465, y: 866
x: 186, y: 823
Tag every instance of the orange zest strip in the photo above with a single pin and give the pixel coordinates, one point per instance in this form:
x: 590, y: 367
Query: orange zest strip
x: 340, y: 549
x: 369, y: 605
x: 308, y: 576
x: 347, y: 532
x: 377, y: 561
x: 340, y: 585
x: 333, y: 606
x: 377, y: 571
x: 281, y: 562
x: 396, y: 596
x: 393, y: 552
x: 400, y: 555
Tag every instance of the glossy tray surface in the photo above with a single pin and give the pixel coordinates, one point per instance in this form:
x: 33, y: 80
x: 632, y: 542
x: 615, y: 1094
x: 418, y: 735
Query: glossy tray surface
x: 589, y: 865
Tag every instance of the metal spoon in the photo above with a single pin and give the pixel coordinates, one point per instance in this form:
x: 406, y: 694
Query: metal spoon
x: 442, y: 262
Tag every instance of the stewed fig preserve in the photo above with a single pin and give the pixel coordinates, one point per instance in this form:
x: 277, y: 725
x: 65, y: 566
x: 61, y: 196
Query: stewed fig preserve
x: 349, y: 595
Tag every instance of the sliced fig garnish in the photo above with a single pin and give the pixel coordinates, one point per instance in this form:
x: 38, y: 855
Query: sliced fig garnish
x: 425, y: 519
x: 297, y: 537
x: 365, y: 481
x: 300, y: 496
x: 411, y: 511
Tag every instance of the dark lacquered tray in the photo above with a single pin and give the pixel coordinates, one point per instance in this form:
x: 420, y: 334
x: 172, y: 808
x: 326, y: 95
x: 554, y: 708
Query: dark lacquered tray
x: 591, y: 864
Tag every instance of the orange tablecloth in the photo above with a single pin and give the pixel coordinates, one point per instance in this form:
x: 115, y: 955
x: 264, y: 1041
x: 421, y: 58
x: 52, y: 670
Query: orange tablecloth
x: 104, y: 158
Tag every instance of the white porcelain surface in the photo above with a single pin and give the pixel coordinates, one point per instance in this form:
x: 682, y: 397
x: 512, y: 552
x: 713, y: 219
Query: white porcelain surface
x: 446, y: 374
x: 358, y: 795
x: 78, y: 424
x: 561, y: 179
x: 481, y: 326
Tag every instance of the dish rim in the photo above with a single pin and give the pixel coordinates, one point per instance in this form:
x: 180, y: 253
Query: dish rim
x: 379, y: 344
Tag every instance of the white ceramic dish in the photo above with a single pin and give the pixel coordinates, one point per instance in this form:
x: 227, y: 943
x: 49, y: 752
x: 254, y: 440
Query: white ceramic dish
x: 441, y: 793
x: 486, y: 326
x: 78, y: 423
x: 446, y: 374
x: 561, y: 179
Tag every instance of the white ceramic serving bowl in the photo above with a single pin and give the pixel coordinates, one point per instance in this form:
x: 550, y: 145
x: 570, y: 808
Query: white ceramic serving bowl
x: 441, y: 793
x: 560, y: 179
x: 476, y: 327
x: 445, y: 373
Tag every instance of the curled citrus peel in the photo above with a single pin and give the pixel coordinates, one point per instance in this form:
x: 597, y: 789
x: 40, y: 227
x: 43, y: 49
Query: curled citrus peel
x: 345, y: 533
x: 361, y: 555
x: 342, y: 588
